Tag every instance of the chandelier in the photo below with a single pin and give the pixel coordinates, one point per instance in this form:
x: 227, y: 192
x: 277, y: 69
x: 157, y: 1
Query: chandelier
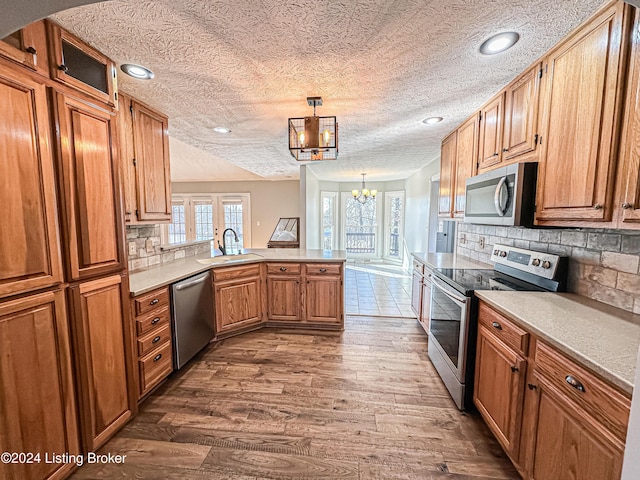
x: 313, y: 138
x: 364, y: 194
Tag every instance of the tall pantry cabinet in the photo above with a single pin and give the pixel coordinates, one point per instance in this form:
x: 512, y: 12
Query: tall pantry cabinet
x: 66, y: 365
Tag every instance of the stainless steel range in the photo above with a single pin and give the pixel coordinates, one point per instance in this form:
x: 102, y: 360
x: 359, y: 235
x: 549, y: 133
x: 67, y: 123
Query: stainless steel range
x: 453, y: 323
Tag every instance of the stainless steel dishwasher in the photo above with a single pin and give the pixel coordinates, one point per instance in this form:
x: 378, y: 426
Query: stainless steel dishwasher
x: 191, y: 316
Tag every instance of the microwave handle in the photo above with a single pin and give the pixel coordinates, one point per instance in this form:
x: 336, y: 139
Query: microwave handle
x: 497, y: 198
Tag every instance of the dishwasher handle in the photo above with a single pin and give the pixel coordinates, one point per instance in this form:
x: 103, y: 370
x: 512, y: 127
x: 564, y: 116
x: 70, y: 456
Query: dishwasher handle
x: 195, y: 281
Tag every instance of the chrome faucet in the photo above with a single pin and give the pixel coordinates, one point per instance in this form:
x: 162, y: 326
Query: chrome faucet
x: 223, y: 247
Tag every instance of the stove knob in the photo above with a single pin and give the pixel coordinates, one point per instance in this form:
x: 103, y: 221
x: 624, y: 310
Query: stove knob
x: 496, y: 251
x: 546, y: 264
x: 536, y: 262
x: 503, y: 253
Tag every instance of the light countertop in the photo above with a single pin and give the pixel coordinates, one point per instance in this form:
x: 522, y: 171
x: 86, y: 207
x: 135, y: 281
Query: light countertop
x: 603, y: 338
x: 449, y: 260
x: 147, y: 279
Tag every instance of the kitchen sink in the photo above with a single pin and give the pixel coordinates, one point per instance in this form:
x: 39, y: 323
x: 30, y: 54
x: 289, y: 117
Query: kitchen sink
x: 229, y: 258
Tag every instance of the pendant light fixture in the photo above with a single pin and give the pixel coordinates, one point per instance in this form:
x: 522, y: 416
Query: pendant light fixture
x: 364, y: 194
x: 313, y: 138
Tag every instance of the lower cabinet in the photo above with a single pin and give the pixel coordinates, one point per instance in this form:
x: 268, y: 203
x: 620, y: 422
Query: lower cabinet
x: 38, y: 409
x: 323, y: 299
x: 103, y: 358
x: 553, y: 417
x: 284, y: 295
x: 238, y: 298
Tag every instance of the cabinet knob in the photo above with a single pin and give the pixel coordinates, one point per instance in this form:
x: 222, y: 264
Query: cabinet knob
x: 505, y: 150
x: 157, y: 357
x: 63, y: 67
x: 322, y: 270
x: 128, y: 212
x: 283, y: 269
x: 496, y: 325
x: 532, y: 386
x: 155, y: 320
x: 31, y: 50
x: 574, y: 382
x: 156, y: 340
x: 496, y: 154
x: 598, y: 206
x: 154, y: 301
x: 626, y: 206
x: 514, y: 368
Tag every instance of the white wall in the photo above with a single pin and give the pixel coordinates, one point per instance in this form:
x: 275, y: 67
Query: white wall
x: 269, y: 202
x: 631, y: 466
x: 312, y: 209
x: 417, y: 191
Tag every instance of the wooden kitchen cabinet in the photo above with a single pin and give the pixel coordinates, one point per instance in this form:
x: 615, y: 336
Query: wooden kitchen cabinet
x: 144, y: 150
x: 81, y: 67
x: 38, y: 413
x: 152, y: 332
x: 581, y: 120
x: 491, y: 127
x: 499, y: 379
x: 28, y: 47
x: 284, y: 295
x: 466, y: 160
x: 103, y: 358
x: 447, y: 175
x: 323, y: 293
x: 238, y: 298
x: 30, y: 256
x: 90, y: 188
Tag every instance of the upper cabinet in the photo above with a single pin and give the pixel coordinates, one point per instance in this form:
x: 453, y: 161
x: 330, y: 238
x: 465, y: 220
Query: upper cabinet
x: 77, y: 65
x: 144, y: 148
x: 447, y: 175
x: 28, y: 47
x: 581, y: 120
x: 627, y: 204
x: 29, y: 247
x: 491, y: 124
x: 466, y: 158
x: 90, y: 188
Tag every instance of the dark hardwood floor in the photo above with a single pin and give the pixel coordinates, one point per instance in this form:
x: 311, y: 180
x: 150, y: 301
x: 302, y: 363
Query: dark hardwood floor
x: 362, y: 404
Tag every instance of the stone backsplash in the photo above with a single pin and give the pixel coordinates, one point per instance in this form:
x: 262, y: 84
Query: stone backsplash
x: 603, y: 264
x: 148, y: 251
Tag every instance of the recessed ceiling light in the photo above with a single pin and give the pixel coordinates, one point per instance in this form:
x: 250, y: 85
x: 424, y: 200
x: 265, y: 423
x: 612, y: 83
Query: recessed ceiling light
x: 432, y: 120
x: 222, y: 130
x: 499, y: 43
x: 136, y: 71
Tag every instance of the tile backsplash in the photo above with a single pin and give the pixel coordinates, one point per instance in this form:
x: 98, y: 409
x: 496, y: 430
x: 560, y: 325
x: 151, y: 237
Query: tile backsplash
x: 148, y: 251
x: 603, y: 264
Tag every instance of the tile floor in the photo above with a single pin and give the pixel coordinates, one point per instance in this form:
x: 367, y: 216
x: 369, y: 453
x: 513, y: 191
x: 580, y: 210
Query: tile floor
x: 377, y: 290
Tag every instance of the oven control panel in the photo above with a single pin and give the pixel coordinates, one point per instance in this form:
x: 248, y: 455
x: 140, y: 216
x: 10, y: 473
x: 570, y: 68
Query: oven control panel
x: 538, y: 263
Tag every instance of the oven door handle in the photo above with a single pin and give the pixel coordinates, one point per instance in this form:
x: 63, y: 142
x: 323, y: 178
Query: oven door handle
x: 447, y: 290
x: 501, y: 205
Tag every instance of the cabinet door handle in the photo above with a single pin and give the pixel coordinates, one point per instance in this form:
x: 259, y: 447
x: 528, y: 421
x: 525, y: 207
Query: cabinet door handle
x: 496, y: 154
x: 283, y: 269
x: 156, y: 340
x: 322, y: 270
x: 157, y: 357
x: 505, y: 150
x: 155, y: 320
x: 63, y: 67
x: 575, y: 383
x: 532, y: 386
x: 128, y: 213
x: 597, y: 206
x: 154, y: 301
x: 31, y: 50
x: 514, y: 369
x: 626, y: 206
x: 496, y: 325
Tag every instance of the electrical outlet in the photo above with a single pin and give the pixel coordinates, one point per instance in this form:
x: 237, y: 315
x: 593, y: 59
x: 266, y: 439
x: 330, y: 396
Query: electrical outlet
x: 482, y: 242
x: 132, y: 248
x: 463, y: 239
x: 148, y: 245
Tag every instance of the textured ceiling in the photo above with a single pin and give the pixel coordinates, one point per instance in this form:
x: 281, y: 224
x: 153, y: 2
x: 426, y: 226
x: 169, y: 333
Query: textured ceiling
x: 381, y: 66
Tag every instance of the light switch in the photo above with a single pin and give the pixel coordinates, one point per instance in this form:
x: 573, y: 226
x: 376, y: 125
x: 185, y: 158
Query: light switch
x: 132, y: 248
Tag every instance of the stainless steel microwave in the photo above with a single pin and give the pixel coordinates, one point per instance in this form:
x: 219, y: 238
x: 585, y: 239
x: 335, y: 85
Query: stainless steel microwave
x: 504, y: 196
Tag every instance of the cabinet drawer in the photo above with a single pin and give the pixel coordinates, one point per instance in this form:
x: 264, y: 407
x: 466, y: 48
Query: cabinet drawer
x: 232, y: 273
x: 154, y: 367
x: 594, y: 395
x: 418, y: 267
x: 504, y: 329
x: 283, y: 268
x: 149, y: 301
x: 154, y: 339
x: 152, y: 320
x: 322, y: 269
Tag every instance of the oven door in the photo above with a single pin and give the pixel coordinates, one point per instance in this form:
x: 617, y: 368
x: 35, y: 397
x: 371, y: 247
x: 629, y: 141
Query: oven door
x: 448, y: 325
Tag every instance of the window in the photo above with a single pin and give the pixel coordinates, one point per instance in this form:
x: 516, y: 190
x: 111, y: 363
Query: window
x: 361, y: 226
x: 393, y: 220
x: 328, y: 234
x: 205, y: 217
